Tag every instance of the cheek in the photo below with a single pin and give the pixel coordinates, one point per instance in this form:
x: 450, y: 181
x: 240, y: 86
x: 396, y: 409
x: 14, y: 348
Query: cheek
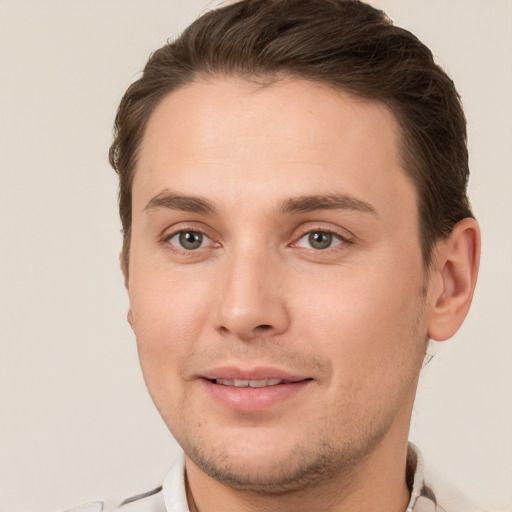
x: 370, y: 335
x: 167, y: 325
x: 168, y: 319
x: 366, y: 324
x: 166, y: 300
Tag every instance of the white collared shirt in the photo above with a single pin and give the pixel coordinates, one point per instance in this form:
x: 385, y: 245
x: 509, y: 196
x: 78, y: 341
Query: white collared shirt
x: 428, y: 492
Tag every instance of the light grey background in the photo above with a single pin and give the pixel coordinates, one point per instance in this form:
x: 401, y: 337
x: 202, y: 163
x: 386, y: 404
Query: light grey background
x: 76, y: 422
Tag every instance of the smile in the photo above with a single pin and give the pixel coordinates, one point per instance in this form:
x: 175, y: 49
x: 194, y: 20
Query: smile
x: 241, y: 383
x: 254, y: 393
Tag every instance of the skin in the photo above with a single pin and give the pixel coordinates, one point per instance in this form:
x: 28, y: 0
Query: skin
x: 351, y: 320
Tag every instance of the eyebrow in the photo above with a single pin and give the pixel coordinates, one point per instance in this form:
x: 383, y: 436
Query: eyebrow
x: 172, y: 201
x: 305, y: 204
x: 301, y: 204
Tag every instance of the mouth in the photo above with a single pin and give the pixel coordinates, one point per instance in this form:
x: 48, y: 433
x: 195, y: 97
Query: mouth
x: 254, y: 390
x: 243, y: 383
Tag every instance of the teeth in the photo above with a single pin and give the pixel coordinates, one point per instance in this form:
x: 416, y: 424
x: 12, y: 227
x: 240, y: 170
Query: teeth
x: 241, y: 383
x: 273, y: 382
x: 258, y: 383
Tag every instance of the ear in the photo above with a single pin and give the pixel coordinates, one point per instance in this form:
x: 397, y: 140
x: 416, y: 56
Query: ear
x: 456, y: 269
x: 124, y: 268
x: 129, y: 317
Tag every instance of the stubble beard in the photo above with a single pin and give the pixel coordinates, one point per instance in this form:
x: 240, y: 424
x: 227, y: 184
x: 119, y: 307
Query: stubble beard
x: 300, y: 470
x: 318, y: 462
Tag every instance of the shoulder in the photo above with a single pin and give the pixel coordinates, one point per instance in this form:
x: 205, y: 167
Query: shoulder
x: 170, y: 497
x: 152, y: 501
x: 431, y: 492
x: 445, y: 495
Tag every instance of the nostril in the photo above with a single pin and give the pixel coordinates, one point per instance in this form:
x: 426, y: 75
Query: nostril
x: 264, y: 327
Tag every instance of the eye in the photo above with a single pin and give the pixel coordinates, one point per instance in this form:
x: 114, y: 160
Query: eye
x: 319, y: 240
x: 188, y: 240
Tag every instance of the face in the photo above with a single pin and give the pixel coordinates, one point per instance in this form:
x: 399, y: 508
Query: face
x: 276, y: 286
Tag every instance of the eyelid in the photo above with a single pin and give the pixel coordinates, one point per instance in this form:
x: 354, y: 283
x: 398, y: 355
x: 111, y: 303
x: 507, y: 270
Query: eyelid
x: 174, y: 230
x: 204, y: 240
x: 341, y: 233
x: 336, y: 241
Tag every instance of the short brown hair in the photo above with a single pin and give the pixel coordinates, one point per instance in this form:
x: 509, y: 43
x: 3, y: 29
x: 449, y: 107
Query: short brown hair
x: 345, y: 44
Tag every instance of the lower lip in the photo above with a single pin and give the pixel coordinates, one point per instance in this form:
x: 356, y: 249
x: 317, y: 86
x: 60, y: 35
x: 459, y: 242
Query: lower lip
x: 249, y: 399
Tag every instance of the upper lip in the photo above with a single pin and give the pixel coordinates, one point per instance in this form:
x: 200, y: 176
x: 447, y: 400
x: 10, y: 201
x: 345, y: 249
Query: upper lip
x: 258, y: 373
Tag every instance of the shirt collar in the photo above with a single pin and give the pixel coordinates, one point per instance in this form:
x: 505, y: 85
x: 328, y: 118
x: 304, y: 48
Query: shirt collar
x: 175, y: 495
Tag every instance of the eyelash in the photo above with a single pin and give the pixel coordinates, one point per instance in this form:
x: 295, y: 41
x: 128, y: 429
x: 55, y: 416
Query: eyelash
x: 166, y: 240
x: 343, y: 239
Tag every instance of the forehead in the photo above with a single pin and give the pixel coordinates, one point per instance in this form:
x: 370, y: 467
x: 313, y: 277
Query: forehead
x: 233, y: 135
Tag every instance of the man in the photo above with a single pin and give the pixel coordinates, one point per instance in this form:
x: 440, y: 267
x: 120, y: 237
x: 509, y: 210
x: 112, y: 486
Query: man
x: 296, y: 228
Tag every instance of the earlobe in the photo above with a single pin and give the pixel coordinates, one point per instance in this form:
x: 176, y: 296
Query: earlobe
x: 456, y: 266
x: 129, y: 317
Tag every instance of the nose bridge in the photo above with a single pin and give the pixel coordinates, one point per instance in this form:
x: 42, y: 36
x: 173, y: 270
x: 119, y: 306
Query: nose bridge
x: 251, y: 299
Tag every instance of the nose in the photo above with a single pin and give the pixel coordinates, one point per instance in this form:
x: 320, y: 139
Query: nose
x: 251, y: 302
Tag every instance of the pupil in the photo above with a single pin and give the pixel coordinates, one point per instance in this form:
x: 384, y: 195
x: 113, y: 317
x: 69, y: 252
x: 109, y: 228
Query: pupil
x: 320, y: 240
x: 190, y: 239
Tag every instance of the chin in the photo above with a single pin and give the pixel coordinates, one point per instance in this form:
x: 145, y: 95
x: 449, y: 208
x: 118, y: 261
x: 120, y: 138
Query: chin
x: 268, y: 474
x: 272, y: 467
